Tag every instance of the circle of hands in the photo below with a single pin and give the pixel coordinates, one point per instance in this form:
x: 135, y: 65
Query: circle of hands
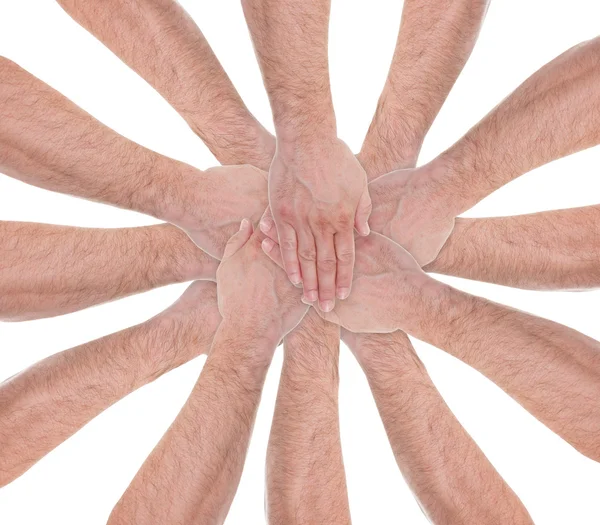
x: 324, y: 239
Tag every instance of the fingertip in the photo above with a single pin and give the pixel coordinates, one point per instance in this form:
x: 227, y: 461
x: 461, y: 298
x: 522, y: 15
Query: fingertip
x: 266, y: 224
x: 267, y: 245
x: 343, y: 293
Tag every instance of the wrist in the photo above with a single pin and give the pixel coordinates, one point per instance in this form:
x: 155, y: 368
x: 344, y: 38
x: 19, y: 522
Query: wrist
x: 254, y: 337
x: 449, y: 174
x: 306, y: 129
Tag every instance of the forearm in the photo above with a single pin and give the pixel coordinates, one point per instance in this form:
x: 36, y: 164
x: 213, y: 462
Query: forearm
x: 291, y: 43
x: 47, y: 403
x: 434, y: 42
x: 451, y: 477
x: 551, y: 370
x: 50, y: 270
x: 161, y: 42
x: 305, y: 471
x: 553, y: 250
x: 49, y: 142
x: 552, y: 114
x: 210, y: 437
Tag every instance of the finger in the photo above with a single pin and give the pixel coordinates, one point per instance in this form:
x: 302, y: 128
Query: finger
x: 267, y: 226
x: 238, y: 239
x: 307, y: 254
x: 289, y: 252
x: 344, y: 252
x: 363, y: 211
x: 326, y: 270
x: 273, y: 252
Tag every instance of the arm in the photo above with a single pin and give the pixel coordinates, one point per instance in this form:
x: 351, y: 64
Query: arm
x: 552, y: 114
x: 192, y: 475
x: 305, y: 470
x: 47, y: 403
x: 450, y: 476
x: 48, y: 141
x: 161, y: 42
x: 435, y: 40
x: 317, y: 188
x: 552, y: 250
x: 51, y: 270
x: 551, y: 370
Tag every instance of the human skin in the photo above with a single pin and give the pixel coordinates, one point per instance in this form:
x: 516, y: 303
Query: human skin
x: 161, y: 42
x: 450, y: 476
x: 419, y: 79
x: 48, y: 402
x: 317, y: 188
x: 211, y: 433
x: 553, y: 371
x: 550, y: 250
x: 50, y: 270
x: 531, y: 127
x: 305, y: 470
x: 49, y: 142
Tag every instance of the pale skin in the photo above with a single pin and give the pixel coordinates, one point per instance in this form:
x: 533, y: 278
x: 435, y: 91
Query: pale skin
x: 551, y: 370
x: 211, y: 433
x: 48, y: 402
x: 50, y: 270
x: 305, y: 471
x: 552, y: 114
x: 450, y: 476
x: 161, y: 42
x: 317, y: 188
x: 49, y: 142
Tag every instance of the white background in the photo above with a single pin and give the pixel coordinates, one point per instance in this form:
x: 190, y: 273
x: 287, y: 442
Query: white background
x: 80, y: 481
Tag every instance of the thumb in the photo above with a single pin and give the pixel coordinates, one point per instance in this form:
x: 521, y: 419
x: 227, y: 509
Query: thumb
x: 238, y: 239
x: 363, y: 211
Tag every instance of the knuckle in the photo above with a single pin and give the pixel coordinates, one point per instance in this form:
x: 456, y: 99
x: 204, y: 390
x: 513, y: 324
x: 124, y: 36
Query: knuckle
x: 327, y: 264
x: 288, y: 245
x: 307, y: 254
x: 345, y: 258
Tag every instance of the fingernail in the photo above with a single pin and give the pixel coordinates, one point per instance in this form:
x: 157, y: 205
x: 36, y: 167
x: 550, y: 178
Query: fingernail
x: 244, y: 224
x: 366, y: 230
x: 266, y: 225
x: 268, y: 245
x: 343, y: 293
x: 326, y: 306
x: 305, y: 301
x: 295, y: 278
x: 311, y: 296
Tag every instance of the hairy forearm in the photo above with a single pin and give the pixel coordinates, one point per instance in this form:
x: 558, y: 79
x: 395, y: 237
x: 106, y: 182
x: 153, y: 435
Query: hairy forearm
x: 435, y: 40
x: 552, y: 250
x: 291, y: 43
x: 305, y: 472
x: 161, y: 42
x: 210, y: 437
x: 49, y: 142
x: 48, y: 270
x: 451, y: 477
x: 551, y: 370
x: 50, y: 401
x: 554, y: 113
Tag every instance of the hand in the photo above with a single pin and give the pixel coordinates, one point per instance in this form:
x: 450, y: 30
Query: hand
x: 408, y: 209
x: 318, y: 194
x: 388, y: 282
x: 219, y: 198
x: 252, y: 289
